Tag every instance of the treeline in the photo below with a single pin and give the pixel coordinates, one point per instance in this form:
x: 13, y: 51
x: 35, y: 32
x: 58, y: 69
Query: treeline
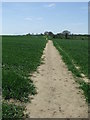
x: 63, y: 35
x: 66, y: 35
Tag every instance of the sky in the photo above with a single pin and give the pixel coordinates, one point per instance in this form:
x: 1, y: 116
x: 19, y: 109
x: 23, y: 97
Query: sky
x: 38, y: 17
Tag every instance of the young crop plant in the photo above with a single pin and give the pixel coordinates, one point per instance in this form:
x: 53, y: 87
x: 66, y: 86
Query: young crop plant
x: 75, y: 55
x: 11, y: 111
x: 21, y: 56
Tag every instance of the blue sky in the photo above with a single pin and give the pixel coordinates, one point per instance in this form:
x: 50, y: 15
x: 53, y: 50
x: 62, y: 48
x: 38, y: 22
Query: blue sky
x: 27, y: 17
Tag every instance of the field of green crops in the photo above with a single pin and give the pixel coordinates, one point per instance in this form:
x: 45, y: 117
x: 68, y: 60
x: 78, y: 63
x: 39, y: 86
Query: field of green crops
x: 75, y: 55
x: 76, y: 51
x: 21, y: 56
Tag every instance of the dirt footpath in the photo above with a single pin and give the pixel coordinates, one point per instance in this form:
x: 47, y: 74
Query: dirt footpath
x: 58, y: 94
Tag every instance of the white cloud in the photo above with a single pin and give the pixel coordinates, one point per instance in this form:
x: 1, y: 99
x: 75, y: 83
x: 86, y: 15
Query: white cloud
x: 50, y: 5
x: 28, y: 18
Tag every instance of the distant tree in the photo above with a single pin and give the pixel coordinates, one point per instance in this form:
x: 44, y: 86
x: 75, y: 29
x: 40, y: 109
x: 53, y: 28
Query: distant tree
x: 59, y: 35
x: 32, y: 33
x: 37, y: 34
x: 50, y: 34
x: 66, y: 33
x: 46, y: 33
x: 28, y: 34
x: 41, y: 34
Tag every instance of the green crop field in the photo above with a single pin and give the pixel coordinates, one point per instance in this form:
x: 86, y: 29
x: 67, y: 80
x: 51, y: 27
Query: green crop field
x: 75, y: 55
x: 21, y: 56
x: 76, y: 51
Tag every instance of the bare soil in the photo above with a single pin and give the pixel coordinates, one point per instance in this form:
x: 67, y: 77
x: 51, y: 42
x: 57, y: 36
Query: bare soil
x: 58, y: 94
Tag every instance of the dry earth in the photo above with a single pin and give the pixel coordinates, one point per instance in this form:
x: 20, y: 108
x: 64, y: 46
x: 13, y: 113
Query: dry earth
x: 58, y: 94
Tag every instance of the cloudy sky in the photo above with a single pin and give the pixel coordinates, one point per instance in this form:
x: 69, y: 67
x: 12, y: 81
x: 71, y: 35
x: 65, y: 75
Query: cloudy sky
x: 27, y: 17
